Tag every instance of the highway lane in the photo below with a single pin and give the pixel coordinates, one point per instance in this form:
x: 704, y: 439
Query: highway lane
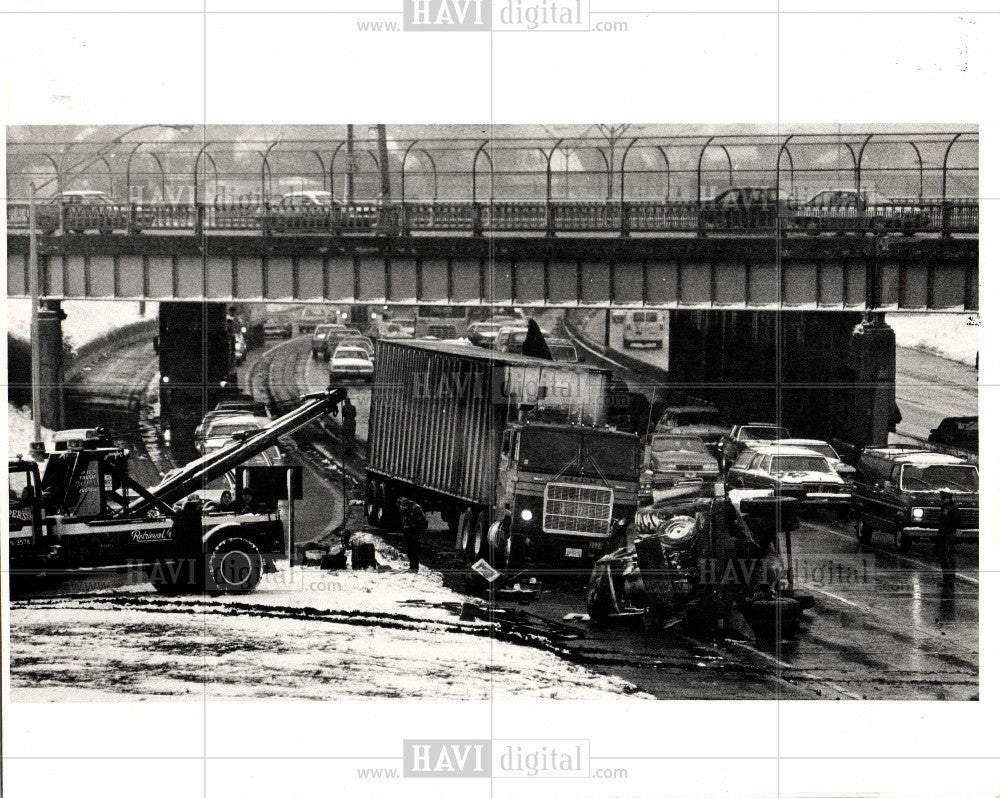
x: 929, y: 388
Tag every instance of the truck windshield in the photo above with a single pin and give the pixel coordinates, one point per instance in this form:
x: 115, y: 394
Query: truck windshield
x: 550, y: 450
x: 611, y: 457
x: 941, y: 477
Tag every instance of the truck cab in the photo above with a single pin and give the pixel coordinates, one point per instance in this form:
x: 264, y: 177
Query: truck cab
x: 565, y: 493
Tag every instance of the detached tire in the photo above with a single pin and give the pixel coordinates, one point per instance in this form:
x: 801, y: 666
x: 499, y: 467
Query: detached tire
x: 771, y: 618
x: 233, y: 565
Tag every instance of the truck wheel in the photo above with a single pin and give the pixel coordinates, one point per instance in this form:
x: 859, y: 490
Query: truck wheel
x: 480, y: 542
x: 599, y: 601
x: 864, y: 532
x: 370, y: 502
x: 233, y: 565
x: 381, y: 505
x: 900, y: 541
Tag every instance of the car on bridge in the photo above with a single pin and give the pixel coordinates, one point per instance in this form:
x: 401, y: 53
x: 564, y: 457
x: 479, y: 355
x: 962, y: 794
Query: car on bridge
x: 897, y: 491
x: 795, y: 472
x: 351, y: 362
x: 335, y: 337
x: 844, y: 210
x: 84, y: 210
x: 748, y: 208
x: 277, y: 328
x: 302, y: 211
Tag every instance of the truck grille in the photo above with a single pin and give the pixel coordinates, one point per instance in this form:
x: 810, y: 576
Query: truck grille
x: 967, y: 516
x: 577, y: 509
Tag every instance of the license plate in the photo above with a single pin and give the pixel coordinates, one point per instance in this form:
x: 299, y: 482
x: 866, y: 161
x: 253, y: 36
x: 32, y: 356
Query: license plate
x: 577, y: 553
x: 690, y: 474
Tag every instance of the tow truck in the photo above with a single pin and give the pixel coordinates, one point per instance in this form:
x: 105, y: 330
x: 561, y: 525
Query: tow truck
x: 83, y: 510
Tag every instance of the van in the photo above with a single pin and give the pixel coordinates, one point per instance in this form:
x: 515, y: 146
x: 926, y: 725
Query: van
x: 645, y: 327
x: 897, y: 491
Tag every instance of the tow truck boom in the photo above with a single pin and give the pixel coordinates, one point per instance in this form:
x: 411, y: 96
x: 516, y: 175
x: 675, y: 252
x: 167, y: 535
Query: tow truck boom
x: 205, y: 469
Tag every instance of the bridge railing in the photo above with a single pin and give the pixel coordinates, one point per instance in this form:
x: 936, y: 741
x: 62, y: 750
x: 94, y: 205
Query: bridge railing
x: 907, y: 215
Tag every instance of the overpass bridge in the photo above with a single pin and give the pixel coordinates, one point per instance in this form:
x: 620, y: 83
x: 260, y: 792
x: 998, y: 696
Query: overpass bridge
x: 753, y: 234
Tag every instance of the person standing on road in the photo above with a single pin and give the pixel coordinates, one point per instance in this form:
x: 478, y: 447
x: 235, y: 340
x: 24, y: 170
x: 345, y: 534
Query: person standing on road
x: 349, y: 421
x: 413, y: 522
x: 947, y: 532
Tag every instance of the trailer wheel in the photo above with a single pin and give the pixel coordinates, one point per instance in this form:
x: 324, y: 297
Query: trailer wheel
x: 463, y: 538
x: 234, y: 565
x: 380, y: 506
x: 370, y: 502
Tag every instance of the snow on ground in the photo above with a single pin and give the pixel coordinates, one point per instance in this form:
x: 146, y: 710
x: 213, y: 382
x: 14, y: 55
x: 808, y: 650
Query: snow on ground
x: 85, y: 320
x: 951, y: 335
x: 21, y: 432
x: 305, y: 634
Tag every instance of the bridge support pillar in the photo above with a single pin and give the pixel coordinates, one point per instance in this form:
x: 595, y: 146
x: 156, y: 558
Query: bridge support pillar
x: 50, y: 376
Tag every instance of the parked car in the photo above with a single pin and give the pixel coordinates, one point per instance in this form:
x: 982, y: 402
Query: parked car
x: 841, y: 210
x: 241, y: 403
x: 792, y: 471
x: 825, y: 449
x: 897, y: 491
x: 677, y: 457
x: 747, y: 436
x: 319, y: 337
x: 483, y: 333
x: 351, y: 362
x: 84, y: 210
x: 748, y: 208
x: 645, y: 327
x: 962, y: 432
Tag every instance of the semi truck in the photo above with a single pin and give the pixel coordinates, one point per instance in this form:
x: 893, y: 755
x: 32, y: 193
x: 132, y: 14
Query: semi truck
x: 83, y: 511
x: 514, y: 452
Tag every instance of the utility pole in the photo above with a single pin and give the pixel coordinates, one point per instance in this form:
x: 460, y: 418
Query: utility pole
x: 350, y: 163
x: 36, y: 352
x: 385, y: 187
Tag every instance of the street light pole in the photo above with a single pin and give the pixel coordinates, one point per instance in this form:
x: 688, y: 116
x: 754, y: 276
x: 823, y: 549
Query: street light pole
x: 36, y: 350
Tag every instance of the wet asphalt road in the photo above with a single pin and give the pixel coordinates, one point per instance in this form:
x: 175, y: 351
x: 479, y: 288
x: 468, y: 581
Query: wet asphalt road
x: 883, y: 626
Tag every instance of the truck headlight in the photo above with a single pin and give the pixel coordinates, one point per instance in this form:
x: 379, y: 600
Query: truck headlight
x: 526, y: 514
x: 917, y: 513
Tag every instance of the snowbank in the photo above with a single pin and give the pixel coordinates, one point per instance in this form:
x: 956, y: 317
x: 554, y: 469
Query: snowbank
x: 21, y: 432
x: 85, y: 320
x: 951, y: 335
x: 305, y: 633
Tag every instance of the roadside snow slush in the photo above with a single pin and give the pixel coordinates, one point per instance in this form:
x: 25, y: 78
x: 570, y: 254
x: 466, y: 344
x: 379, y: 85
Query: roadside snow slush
x: 305, y: 634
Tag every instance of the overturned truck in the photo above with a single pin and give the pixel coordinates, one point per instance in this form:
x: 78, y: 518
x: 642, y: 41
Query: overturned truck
x: 713, y: 561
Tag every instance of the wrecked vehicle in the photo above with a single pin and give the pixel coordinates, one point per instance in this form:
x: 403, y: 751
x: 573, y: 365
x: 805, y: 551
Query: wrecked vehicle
x: 710, y: 560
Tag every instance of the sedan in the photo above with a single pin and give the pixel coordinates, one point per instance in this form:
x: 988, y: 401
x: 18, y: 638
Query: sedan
x: 319, y: 337
x: 87, y: 210
x: 483, y: 333
x: 676, y: 458
x: 350, y: 362
x: 792, y: 471
x: 748, y: 208
x: 220, y: 431
x: 841, y: 210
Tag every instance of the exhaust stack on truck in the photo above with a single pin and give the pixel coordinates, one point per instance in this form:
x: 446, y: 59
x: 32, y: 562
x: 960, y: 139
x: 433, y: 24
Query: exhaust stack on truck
x: 513, y: 452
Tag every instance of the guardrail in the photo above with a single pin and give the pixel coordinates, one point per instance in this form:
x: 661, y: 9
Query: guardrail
x: 905, y: 215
